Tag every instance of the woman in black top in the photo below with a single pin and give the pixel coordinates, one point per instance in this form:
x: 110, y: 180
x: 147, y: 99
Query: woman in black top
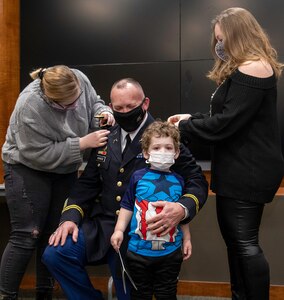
x: 247, y: 163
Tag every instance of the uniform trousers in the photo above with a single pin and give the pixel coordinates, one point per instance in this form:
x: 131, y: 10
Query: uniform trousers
x: 35, y: 200
x: 239, y: 222
x: 67, y: 264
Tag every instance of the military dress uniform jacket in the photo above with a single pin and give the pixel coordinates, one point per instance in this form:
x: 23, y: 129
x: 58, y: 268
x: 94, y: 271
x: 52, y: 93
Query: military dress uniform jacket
x: 94, y: 202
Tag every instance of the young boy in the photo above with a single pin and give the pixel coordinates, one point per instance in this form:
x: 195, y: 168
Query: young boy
x: 154, y: 261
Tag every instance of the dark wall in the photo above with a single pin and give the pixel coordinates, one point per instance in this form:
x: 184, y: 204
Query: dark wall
x: 164, y: 44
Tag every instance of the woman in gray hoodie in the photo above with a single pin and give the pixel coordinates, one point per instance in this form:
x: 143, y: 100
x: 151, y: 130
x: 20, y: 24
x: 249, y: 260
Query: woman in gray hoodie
x: 53, y: 122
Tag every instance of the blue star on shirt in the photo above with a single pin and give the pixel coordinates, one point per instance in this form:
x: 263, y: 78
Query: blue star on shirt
x: 160, y: 187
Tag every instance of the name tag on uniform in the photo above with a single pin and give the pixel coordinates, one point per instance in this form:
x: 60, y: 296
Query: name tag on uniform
x: 101, y: 158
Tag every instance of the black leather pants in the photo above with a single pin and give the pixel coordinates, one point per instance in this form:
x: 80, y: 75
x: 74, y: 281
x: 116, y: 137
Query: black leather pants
x: 239, y: 223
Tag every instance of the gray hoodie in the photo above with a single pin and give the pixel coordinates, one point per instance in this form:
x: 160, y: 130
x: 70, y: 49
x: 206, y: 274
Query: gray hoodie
x: 46, y: 139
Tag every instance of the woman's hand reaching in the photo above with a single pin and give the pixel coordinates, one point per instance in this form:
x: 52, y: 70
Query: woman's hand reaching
x: 175, y: 119
x: 94, y: 139
x: 108, y: 119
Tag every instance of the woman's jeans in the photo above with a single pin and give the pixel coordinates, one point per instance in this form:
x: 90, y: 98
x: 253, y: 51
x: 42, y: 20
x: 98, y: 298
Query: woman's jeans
x: 239, y: 222
x: 35, y: 200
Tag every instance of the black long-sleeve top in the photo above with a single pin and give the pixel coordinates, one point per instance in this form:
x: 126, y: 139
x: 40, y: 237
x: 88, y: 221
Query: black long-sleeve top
x: 247, y: 161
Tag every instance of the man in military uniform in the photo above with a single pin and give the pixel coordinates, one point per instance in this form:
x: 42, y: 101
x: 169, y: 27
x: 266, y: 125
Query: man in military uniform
x: 90, y: 213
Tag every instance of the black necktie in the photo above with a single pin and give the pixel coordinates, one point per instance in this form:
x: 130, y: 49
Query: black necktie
x: 128, y: 142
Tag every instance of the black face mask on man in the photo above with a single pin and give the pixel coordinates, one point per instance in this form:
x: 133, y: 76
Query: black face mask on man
x: 131, y: 120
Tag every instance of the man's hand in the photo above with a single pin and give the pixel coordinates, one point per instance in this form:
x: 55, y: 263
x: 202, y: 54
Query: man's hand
x: 169, y: 217
x: 60, y: 234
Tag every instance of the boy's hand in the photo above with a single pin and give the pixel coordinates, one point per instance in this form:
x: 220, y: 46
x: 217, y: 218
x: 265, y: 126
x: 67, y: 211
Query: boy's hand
x: 116, y: 239
x: 187, y: 249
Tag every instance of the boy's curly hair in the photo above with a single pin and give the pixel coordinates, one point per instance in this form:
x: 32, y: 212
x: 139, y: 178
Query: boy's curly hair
x: 160, y: 129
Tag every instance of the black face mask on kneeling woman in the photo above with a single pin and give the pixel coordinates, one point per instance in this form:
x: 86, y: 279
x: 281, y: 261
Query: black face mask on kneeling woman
x: 131, y: 120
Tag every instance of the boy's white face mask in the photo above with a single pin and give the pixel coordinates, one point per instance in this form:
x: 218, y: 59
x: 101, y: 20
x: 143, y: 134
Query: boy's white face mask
x: 161, y: 160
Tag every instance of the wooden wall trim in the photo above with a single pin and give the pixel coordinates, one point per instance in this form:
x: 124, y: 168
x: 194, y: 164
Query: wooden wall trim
x: 192, y: 288
x: 9, y: 63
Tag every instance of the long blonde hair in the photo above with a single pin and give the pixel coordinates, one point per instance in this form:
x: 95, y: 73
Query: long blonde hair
x: 58, y: 83
x: 244, y: 40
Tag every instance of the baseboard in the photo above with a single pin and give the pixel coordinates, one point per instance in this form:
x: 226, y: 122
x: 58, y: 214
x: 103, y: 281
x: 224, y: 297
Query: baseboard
x: 219, y: 289
x: 192, y: 288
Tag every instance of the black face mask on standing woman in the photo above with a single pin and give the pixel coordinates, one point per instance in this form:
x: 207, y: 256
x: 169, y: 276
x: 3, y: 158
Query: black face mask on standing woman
x: 131, y: 120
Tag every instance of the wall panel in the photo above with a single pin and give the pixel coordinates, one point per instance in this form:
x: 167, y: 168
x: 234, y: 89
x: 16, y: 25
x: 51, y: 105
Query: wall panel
x: 89, y: 32
x: 120, y: 37
x: 9, y: 64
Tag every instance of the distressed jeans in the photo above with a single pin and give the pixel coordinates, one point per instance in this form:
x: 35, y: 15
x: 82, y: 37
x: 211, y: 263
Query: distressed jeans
x: 35, y: 200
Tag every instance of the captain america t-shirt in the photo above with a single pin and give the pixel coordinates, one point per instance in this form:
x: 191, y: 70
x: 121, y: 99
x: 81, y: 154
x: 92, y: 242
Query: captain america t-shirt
x: 147, y: 186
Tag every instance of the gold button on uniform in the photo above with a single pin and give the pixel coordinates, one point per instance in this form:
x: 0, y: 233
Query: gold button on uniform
x: 119, y: 183
x: 121, y: 170
x: 117, y: 212
x: 118, y: 198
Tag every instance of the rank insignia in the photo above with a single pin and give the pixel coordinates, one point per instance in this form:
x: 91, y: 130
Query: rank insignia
x: 103, y: 151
